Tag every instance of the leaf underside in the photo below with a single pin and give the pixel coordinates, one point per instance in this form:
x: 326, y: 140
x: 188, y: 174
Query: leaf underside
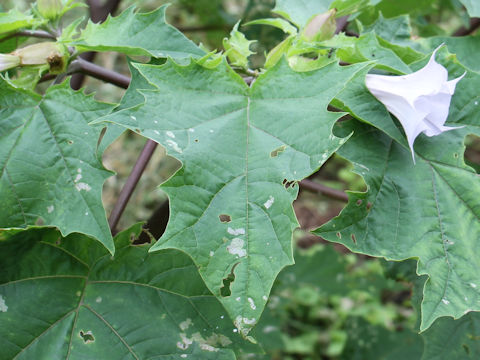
x: 241, y: 150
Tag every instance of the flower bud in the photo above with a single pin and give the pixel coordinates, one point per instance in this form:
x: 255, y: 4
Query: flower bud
x: 50, y: 53
x: 8, y: 61
x: 49, y: 9
x: 321, y: 27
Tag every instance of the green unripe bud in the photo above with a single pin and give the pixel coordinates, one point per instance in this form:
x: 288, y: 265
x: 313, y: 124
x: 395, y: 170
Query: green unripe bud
x: 50, y: 9
x: 320, y: 27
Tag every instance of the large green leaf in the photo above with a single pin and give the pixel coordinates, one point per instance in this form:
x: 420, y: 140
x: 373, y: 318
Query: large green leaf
x: 241, y: 148
x: 51, y: 174
x: 453, y: 339
x: 473, y: 7
x: 137, y: 34
x: 428, y: 211
x: 67, y: 298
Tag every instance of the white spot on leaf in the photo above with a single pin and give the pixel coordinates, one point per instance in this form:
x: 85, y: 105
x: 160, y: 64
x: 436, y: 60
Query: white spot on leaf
x: 252, y: 304
x: 269, y: 202
x: 211, y: 253
x: 473, y: 285
x: 133, y: 118
x: 98, y: 300
x: 174, y: 146
x: 445, y: 301
x: 170, y: 134
x: 83, y: 186
x: 185, y: 324
x: 50, y: 209
x: 3, y: 305
x: 240, y: 231
x: 185, y: 343
x: 236, y: 247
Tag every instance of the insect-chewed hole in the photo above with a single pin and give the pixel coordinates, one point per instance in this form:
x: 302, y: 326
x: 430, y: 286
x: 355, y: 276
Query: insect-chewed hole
x: 87, y: 336
x: 227, y: 282
x: 224, y: 218
x: 339, y: 235
x: 287, y: 183
x: 359, y: 202
x: 354, y: 239
x: 278, y: 151
x: 466, y: 348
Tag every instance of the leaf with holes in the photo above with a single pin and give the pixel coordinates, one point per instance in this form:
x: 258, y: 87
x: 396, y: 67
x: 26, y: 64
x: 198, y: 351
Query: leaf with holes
x: 138, y: 34
x: 134, y: 306
x: 428, y: 211
x: 51, y: 174
x: 241, y: 147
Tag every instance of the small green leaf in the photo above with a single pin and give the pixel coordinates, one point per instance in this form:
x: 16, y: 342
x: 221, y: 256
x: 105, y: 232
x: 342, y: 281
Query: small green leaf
x: 138, y: 34
x: 395, y: 34
x: 473, y: 7
x: 15, y: 20
x: 68, y: 298
x: 281, y: 24
x: 367, y: 48
x: 237, y: 48
x: 227, y: 135
x: 50, y: 172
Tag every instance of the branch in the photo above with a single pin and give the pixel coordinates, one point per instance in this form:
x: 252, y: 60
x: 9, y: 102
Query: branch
x: 81, y: 66
x: 130, y: 185
x: 30, y: 33
x: 474, y: 25
x: 324, y: 190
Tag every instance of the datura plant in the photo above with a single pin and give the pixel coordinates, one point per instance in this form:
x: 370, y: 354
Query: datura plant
x: 343, y: 82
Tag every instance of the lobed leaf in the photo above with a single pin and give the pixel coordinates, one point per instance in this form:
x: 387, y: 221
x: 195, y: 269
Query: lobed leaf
x: 138, y: 34
x: 241, y: 148
x: 15, y: 20
x: 426, y: 211
x: 51, y: 174
x: 67, y: 298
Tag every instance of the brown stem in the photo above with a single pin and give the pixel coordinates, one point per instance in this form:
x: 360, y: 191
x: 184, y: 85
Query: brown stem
x: 131, y: 183
x: 474, y: 25
x: 87, y: 68
x: 324, y: 190
x: 30, y: 33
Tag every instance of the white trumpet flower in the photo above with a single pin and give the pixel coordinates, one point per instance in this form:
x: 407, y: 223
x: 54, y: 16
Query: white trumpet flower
x: 420, y: 100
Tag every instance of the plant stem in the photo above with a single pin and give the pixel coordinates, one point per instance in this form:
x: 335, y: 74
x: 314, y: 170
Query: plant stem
x: 324, y: 190
x: 81, y: 66
x: 41, y: 34
x: 131, y: 183
x: 474, y: 25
